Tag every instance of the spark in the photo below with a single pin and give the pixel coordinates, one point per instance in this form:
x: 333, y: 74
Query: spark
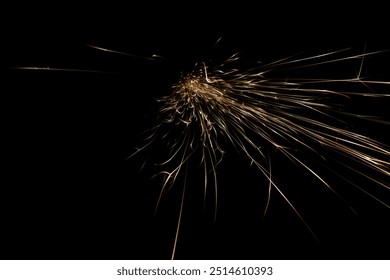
x: 56, y: 69
x: 256, y: 112
x: 153, y: 57
x: 246, y: 106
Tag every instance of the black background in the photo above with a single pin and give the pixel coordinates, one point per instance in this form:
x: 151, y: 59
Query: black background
x: 68, y: 191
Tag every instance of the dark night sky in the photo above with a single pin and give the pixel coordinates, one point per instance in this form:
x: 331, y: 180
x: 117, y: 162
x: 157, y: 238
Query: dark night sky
x: 68, y: 191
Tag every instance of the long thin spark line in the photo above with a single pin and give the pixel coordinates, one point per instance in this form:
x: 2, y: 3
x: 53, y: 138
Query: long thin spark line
x: 180, y: 215
x: 154, y: 57
x: 361, y: 62
x: 364, y: 191
x: 326, y: 61
x: 296, y: 212
x: 269, y: 187
x: 286, y: 60
x: 268, y: 176
x: 60, y: 69
x: 351, y: 80
x: 173, y: 174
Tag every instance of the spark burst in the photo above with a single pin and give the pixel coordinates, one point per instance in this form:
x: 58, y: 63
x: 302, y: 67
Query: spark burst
x: 246, y: 106
x: 254, y: 111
